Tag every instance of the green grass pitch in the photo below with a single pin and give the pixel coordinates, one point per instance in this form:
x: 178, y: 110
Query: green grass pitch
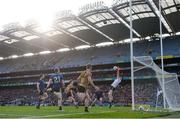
x: 51, y: 112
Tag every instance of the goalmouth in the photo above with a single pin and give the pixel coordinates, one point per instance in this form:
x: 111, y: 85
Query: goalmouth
x: 169, y: 88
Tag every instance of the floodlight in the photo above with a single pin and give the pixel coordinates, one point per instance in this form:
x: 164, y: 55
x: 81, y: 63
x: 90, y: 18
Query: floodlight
x: 28, y: 54
x: 45, y: 52
x: 104, y: 44
x: 82, y: 47
x: 63, y: 50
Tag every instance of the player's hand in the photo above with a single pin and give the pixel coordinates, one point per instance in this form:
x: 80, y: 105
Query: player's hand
x: 49, y: 89
x: 96, y: 88
x: 38, y: 91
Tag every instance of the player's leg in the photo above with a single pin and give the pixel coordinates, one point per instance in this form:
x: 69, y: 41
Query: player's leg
x: 44, y: 96
x: 83, y: 96
x: 74, y: 101
x: 39, y: 99
x: 72, y: 98
x: 110, y: 93
x: 110, y: 96
x: 59, y: 96
x: 83, y: 99
x: 93, y: 102
x: 100, y: 101
x: 86, y: 102
x: 39, y: 103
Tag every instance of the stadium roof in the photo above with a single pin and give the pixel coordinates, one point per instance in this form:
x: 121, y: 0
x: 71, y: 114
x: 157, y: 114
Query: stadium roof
x: 95, y: 23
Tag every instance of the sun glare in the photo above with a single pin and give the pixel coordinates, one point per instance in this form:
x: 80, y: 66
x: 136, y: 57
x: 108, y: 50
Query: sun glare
x: 43, y: 11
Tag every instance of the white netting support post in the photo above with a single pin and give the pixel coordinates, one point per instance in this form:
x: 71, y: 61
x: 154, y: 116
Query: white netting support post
x: 131, y: 57
x: 157, y: 99
x: 161, y: 45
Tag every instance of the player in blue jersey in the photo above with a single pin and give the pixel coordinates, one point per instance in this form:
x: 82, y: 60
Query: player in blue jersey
x: 41, y: 86
x: 98, y: 97
x: 56, y: 84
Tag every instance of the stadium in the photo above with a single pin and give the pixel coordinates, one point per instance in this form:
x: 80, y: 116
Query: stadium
x: 129, y: 50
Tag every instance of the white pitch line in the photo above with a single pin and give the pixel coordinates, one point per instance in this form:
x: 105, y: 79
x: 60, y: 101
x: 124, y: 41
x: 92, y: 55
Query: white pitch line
x: 2, y: 114
x: 13, y: 115
x: 60, y: 115
x: 56, y: 115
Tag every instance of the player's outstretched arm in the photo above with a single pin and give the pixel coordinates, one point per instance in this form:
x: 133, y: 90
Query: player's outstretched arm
x: 92, y: 83
x: 49, y: 83
x: 38, y: 87
x: 119, y: 72
x: 42, y: 77
x: 62, y: 84
x: 118, y: 77
x: 79, y: 77
x: 117, y: 69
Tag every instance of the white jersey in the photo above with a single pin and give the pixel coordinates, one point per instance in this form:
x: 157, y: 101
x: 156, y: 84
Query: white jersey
x: 116, y: 82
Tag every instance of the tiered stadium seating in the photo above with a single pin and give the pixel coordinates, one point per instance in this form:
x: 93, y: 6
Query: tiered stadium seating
x: 104, y: 55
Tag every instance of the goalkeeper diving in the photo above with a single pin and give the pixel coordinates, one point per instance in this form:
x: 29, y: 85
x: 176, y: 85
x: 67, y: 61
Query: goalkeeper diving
x: 114, y: 85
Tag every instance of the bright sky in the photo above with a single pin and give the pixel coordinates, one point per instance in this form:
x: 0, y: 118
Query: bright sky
x: 42, y: 11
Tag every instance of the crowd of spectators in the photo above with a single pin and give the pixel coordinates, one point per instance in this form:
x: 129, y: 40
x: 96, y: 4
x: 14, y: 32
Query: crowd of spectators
x: 145, y: 93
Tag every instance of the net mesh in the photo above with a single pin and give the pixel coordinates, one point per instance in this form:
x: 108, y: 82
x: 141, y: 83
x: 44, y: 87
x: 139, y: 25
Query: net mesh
x: 148, y: 92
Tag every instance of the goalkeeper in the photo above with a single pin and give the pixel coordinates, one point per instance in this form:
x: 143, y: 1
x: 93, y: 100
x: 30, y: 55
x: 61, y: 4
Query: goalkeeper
x: 116, y: 82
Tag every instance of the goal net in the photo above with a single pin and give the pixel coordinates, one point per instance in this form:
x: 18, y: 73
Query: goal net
x: 148, y: 86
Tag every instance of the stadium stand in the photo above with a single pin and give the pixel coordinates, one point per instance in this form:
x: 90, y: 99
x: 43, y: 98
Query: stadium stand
x: 103, y: 55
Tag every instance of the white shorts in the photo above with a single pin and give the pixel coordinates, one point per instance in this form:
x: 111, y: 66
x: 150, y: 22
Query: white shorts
x: 116, y: 82
x: 58, y: 94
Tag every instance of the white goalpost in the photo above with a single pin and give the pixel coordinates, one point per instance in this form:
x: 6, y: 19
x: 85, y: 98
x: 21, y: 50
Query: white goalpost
x: 167, y: 82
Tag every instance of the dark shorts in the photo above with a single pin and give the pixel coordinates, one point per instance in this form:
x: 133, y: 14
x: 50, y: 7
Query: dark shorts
x: 41, y: 92
x: 55, y: 89
x: 98, y: 97
x: 68, y: 94
x: 112, y: 88
x: 81, y: 89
